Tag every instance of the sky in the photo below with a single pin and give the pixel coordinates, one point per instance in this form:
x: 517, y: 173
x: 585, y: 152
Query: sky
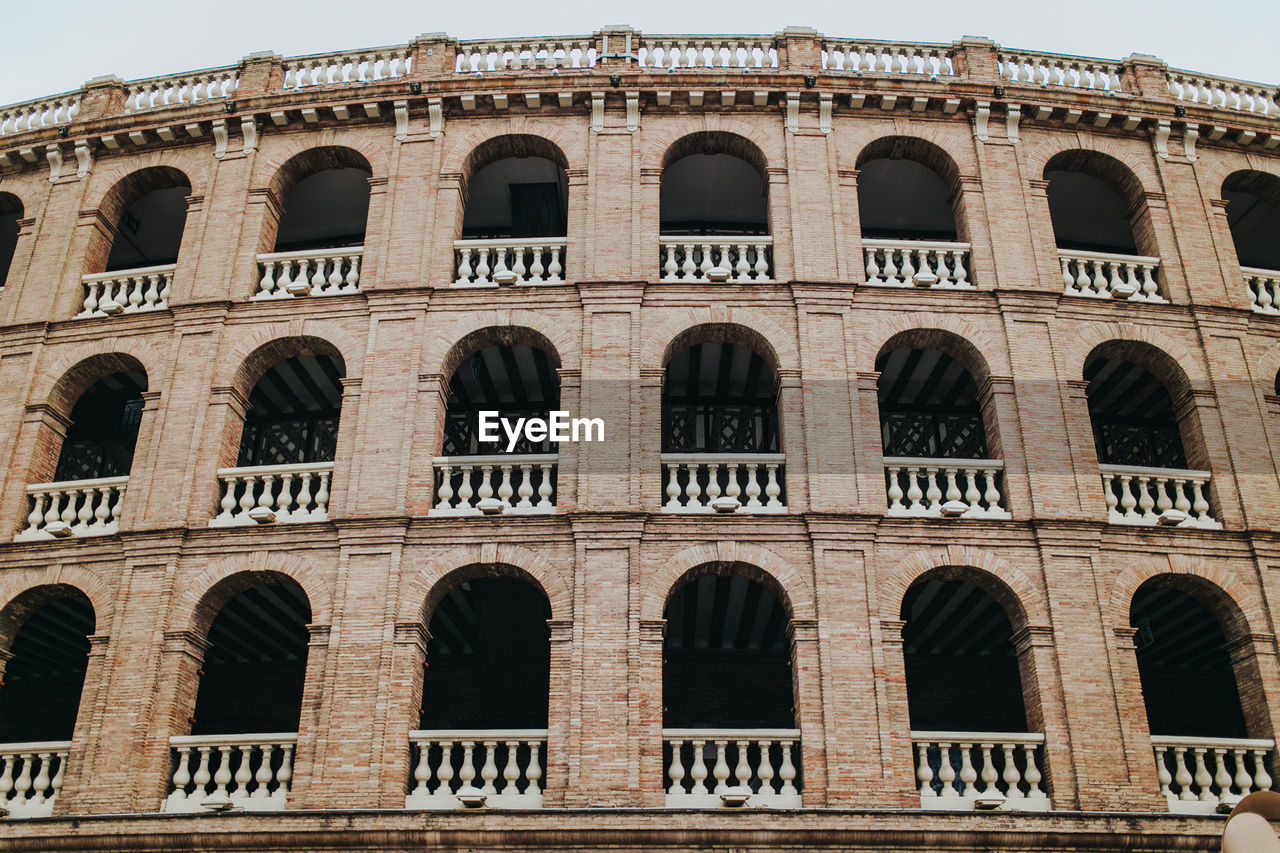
x: 55, y: 47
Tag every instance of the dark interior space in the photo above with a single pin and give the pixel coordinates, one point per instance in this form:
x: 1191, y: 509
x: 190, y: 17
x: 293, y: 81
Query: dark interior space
x: 719, y: 398
x: 103, y: 430
x: 294, y: 411
x: 40, y: 696
x: 1132, y: 416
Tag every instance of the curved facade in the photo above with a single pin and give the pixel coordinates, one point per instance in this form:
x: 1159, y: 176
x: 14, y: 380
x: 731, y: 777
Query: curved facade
x: 936, y: 502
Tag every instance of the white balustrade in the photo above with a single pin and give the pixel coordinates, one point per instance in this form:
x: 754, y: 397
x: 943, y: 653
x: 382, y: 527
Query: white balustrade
x: 518, y: 260
x: 1164, y: 496
x: 713, y: 768
x: 1224, y: 93
x: 944, y: 488
x: 74, y: 508
x: 1002, y: 770
x: 180, y: 90
x: 673, y: 52
x: 322, y: 272
x: 917, y: 263
x: 1049, y: 69
x: 734, y: 259
x: 1198, y: 773
x: 108, y: 294
x: 39, y: 114
x: 723, y: 482
x: 1131, y: 277
x: 883, y: 57
x: 273, y: 493
x: 1264, y: 289
x: 355, y: 66
x: 497, y: 768
x: 249, y: 771
x: 489, y: 485
x: 478, y: 57
x: 31, y: 776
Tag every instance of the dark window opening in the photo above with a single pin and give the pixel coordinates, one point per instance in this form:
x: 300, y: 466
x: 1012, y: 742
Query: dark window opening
x: 104, y: 429
x: 325, y: 210
x: 149, y: 231
x: 1132, y: 416
x: 713, y: 194
x: 904, y: 200
x: 928, y: 406
x: 10, y: 215
x: 1088, y: 215
x: 515, y: 380
x: 517, y: 197
x: 40, y: 696
x: 719, y: 398
x: 1253, y: 214
x: 294, y: 413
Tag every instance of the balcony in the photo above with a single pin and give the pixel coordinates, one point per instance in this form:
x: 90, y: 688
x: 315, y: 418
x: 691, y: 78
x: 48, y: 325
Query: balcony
x: 74, y: 508
x: 756, y: 768
x: 514, y: 260
x: 739, y: 260
x: 508, y: 762
x: 1264, y: 289
x: 250, y: 772
x: 944, y: 488
x: 1157, y: 496
x: 127, y: 291
x: 1108, y: 276
x: 274, y: 493
x: 29, y: 781
x: 717, y: 482
x: 963, y: 771
x: 467, y: 485
x: 917, y: 263
x: 324, y: 272
x: 1198, y: 774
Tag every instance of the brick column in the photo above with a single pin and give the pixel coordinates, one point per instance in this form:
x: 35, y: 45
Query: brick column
x: 314, y: 726
x: 868, y: 444
x: 561, y: 754
x: 791, y: 421
x: 806, y: 673
x: 427, y: 439
x: 898, y: 776
x: 1046, y: 713
x: 403, y: 689
x: 1142, y: 793
x: 33, y: 460
x: 77, y: 775
x: 649, y: 664
x: 1000, y: 414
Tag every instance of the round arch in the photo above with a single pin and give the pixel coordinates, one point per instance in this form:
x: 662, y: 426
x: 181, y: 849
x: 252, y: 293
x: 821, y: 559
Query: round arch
x: 741, y: 325
x: 760, y: 564
x: 451, y: 343
x: 1007, y: 584
x: 424, y: 588
x: 206, y: 593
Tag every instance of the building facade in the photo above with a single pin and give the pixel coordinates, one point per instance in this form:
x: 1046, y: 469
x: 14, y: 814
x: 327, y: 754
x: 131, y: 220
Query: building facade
x: 936, y: 507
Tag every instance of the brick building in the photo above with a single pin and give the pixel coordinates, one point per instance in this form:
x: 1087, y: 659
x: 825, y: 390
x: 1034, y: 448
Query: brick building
x: 936, y: 509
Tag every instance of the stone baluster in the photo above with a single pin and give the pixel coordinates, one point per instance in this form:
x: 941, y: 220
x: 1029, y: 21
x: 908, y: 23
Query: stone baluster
x: 1203, y: 779
x: 222, y: 777
x: 1162, y: 772
x: 765, y: 771
x: 989, y: 775
x: 1011, y: 774
x: 243, y: 776
x: 467, y: 771
x: 924, y: 773
x: 946, y: 771
x: 489, y: 772
x: 445, y: 773
x: 698, y: 772
x: 968, y: 775
x: 721, y: 769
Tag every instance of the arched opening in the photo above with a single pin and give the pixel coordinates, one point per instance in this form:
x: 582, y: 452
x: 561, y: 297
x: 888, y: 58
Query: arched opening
x: 147, y: 211
x: 964, y: 674
x: 499, y: 438
x: 485, y: 692
x: 1202, y: 689
x: 1253, y: 214
x: 10, y: 216
x: 1096, y: 204
x: 289, y: 437
x: 720, y: 402
x: 253, y: 672
x: 103, y: 429
x: 324, y: 200
x: 727, y: 668
x: 46, y: 630
x: 940, y: 442
x: 1154, y: 466
x: 714, y: 188
x: 515, y: 213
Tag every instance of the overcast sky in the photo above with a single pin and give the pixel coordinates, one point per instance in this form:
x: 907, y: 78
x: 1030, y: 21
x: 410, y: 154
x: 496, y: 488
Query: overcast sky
x: 54, y: 47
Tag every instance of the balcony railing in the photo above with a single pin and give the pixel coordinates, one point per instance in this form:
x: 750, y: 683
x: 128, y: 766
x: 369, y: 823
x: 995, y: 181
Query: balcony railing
x: 1198, y: 773
x: 917, y: 263
x: 354, y: 66
x: 31, y: 776
x: 486, y: 485
x: 486, y: 263
x: 718, y: 259
x: 967, y: 770
x: 883, y: 57
x: 496, y: 768
x: 323, y: 272
x: 1130, y: 277
x: 1264, y: 289
x: 944, y: 488
x: 1055, y: 70
x: 706, y: 52
x: 108, y: 294
x: 40, y: 113
x: 723, y: 482
x: 479, y: 57
x: 250, y: 771
x: 1150, y: 496
x: 180, y: 90
x: 712, y: 768
x: 1224, y: 93
x: 74, y: 508
x: 274, y: 493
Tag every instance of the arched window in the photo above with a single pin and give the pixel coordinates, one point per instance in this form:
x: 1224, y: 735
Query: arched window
x: 1253, y: 214
x: 149, y: 209
x: 485, y: 693
x: 727, y: 690
x: 965, y: 675
x: 494, y: 456
x: 288, y: 440
x: 104, y: 429
x: 47, y: 629
x: 941, y: 451
x: 720, y: 432
x: 1154, y: 467
x: 10, y: 216
x: 515, y: 214
x: 714, y: 210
